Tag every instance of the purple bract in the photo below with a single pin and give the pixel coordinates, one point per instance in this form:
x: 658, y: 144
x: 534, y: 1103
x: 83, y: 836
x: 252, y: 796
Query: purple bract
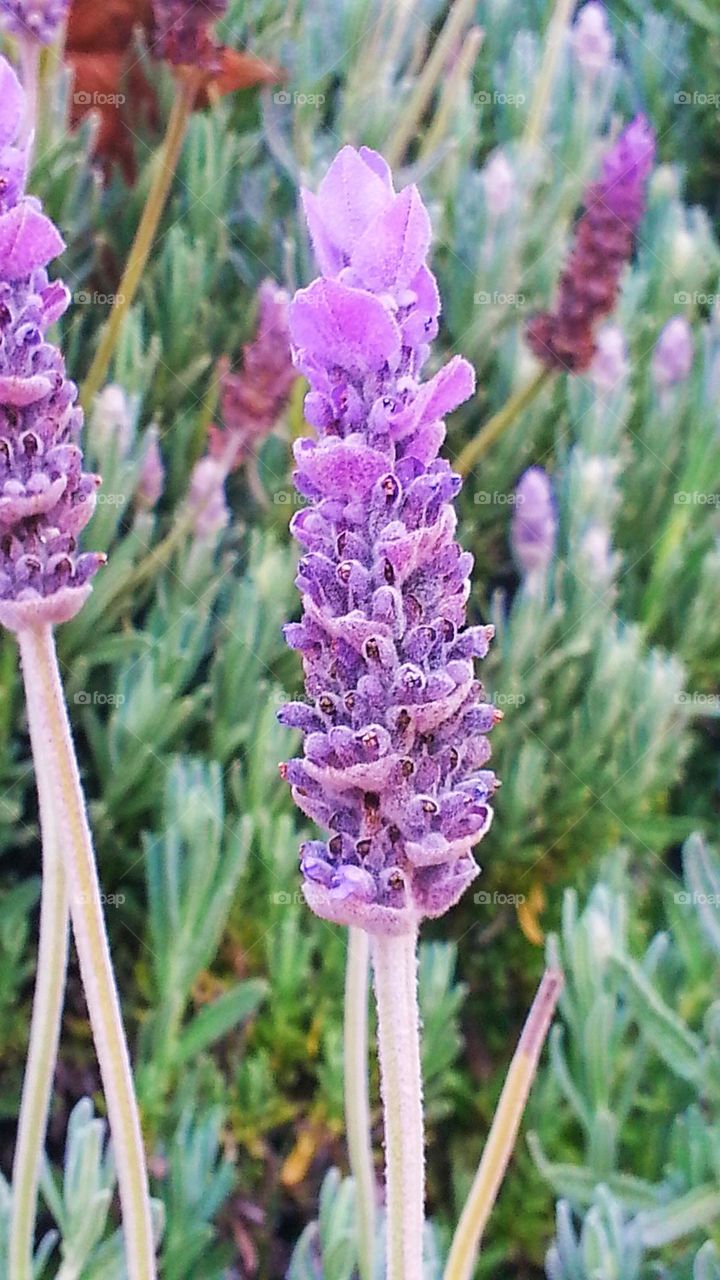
x: 395, y: 722
x: 45, y: 497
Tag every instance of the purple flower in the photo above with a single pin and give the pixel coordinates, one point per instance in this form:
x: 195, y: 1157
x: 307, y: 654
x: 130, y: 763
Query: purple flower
x: 673, y: 355
x: 394, y: 723
x: 604, y: 237
x: 39, y: 20
x: 534, y: 524
x: 610, y: 365
x: 252, y: 399
x: 499, y: 183
x: 591, y: 40
x: 45, y: 497
x: 151, y: 478
x: 183, y: 31
x: 206, y: 499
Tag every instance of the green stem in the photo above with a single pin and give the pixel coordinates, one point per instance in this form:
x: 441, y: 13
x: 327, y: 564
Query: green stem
x: 442, y: 52
x: 57, y: 771
x: 395, y: 970
x: 43, y: 1045
x: 144, y: 236
x: 500, y: 421
x: 545, y: 83
x: 357, y: 1097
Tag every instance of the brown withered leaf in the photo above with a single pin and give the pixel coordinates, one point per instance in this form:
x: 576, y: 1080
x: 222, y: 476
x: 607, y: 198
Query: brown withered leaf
x: 109, y: 80
x: 106, y: 27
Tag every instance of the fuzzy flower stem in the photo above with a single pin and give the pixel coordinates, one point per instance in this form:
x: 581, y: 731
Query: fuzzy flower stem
x: 357, y: 1099
x: 503, y: 1132
x: 145, y: 235
x: 452, y: 33
x: 536, y: 122
x: 42, y: 1050
x: 395, y: 970
x: 57, y: 772
x: 500, y: 421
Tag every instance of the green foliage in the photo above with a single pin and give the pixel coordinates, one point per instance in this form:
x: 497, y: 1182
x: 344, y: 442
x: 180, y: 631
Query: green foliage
x: 638, y: 1071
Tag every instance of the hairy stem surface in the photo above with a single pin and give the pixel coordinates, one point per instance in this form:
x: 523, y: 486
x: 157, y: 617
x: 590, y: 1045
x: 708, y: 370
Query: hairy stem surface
x: 357, y: 1096
x: 57, y: 773
x: 43, y: 1045
x: 395, y: 972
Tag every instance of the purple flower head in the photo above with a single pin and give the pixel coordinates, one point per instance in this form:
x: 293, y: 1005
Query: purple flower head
x: 534, y: 524
x: 45, y: 497
x: 610, y: 365
x: 673, y: 355
x: 151, y: 478
x: 252, y: 399
x: 499, y: 183
x: 394, y: 723
x: 592, y: 42
x: 38, y: 20
x: 603, y: 244
x: 206, y: 499
x: 183, y: 32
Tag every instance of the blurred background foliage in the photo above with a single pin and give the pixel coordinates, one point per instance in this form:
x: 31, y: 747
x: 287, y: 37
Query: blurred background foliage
x: 606, y: 667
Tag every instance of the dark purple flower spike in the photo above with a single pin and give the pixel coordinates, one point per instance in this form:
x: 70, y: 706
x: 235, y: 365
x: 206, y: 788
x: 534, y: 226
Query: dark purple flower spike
x: 395, y: 722
x: 183, y: 32
x: 564, y: 338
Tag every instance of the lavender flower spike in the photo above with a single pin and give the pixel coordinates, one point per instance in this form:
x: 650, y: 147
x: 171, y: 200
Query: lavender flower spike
x: 38, y: 20
x: 565, y: 338
x: 45, y: 497
x: 395, y: 722
x: 673, y: 355
x: 534, y: 525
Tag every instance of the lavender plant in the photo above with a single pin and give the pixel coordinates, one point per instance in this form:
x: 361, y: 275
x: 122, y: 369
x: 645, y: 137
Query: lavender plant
x: 394, y: 745
x: 174, y: 664
x: 47, y: 500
